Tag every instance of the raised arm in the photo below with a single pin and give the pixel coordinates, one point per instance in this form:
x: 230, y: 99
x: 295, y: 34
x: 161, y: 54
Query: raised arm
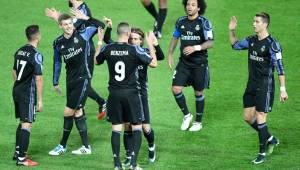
x: 235, y: 43
x: 107, y: 35
x: 150, y: 42
x: 52, y: 13
x: 92, y: 24
x: 231, y: 28
x: 99, y: 45
x: 158, y: 51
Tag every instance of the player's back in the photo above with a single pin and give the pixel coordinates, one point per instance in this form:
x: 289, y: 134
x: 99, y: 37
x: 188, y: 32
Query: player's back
x: 122, y: 64
x: 25, y: 62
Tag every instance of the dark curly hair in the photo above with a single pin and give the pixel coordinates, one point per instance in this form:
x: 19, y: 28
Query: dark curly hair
x: 201, y: 5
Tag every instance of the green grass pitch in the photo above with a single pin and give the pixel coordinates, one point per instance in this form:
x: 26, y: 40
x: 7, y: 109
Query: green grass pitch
x: 225, y: 142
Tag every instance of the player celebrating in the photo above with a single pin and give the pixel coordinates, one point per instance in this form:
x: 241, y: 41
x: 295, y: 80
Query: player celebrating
x: 195, y: 34
x: 264, y: 52
x: 80, y: 25
x: 73, y: 47
x: 27, y: 74
x: 123, y: 101
x: 137, y: 37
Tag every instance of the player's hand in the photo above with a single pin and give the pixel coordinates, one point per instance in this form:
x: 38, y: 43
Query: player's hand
x: 52, y: 13
x: 283, y: 96
x: 39, y: 107
x: 108, y: 21
x: 58, y: 90
x: 188, y: 50
x: 232, y: 23
x: 79, y: 14
x: 152, y: 38
x: 170, y: 61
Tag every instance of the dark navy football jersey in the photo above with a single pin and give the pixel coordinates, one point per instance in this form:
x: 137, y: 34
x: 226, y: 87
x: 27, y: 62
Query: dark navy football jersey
x: 190, y: 33
x: 123, y: 60
x: 27, y: 64
x: 143, y: 68
x: 263, y: 56
x: 74, y: 52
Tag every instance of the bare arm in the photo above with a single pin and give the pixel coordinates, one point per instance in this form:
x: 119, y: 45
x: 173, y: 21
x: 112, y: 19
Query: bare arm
x: 204, y: 46
x: 52, y: 13
x: 99, y: 44
x: 231, y: 28
x: 39, y: 87
x: 150, y: 42
x: 172, y: 47
x: 14, y: 74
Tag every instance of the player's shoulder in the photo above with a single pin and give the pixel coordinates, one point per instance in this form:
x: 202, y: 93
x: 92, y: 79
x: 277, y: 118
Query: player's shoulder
x: 58, y: 40
x: 138, y: 49
x: 205, y: 22
x: 275, y: 45
x: 252, y: 38
x: 181, y: 19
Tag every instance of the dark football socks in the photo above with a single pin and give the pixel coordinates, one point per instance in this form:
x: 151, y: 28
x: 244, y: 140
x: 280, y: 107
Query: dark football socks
x: 82, y: 129
x: 68, y: 125
x: 180, y: 99
x: 199, y: 107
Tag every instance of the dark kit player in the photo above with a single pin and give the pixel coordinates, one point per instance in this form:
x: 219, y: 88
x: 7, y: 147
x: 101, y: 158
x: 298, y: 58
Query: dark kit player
x: 27, y: 74
x: 264, y: 53
x: 196, y: 37
x: 73, y: 47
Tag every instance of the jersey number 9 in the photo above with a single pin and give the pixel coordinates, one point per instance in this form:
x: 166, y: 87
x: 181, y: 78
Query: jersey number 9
x: 120, y: 70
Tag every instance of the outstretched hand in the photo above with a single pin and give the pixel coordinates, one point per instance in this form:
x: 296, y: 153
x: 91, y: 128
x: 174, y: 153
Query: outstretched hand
x: 52, y: 13
x: 78, y: 14
x: 232, y: 23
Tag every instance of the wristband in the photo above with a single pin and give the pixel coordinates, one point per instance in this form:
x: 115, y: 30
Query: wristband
x: 197, y: 47
x: 99, y: 43
x: 282, y: 89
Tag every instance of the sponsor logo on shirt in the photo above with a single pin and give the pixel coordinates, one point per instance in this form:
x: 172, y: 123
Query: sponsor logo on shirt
x: 255, y: 57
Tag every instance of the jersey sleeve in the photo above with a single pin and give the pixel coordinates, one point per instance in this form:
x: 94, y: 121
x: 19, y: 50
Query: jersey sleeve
x: 102, y: 56
x: 38, y: 62
x: 142, y: 55
x: 208, y: 30
x: 242, y: 44
x: 56, y: 65
x: 159, y: 53
x: 176, y: 33
x: 91, y: 28
x: 276, y: 56
x: 107, y: 36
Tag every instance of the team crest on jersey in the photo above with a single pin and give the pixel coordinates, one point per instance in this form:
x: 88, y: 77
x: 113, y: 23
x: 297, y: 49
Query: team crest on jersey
x: 197, y: 28
x: 62, y: 47
x: 262, y: 49
x: 182, y: 27
x: 252, y: 44
x: 75, y: 40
